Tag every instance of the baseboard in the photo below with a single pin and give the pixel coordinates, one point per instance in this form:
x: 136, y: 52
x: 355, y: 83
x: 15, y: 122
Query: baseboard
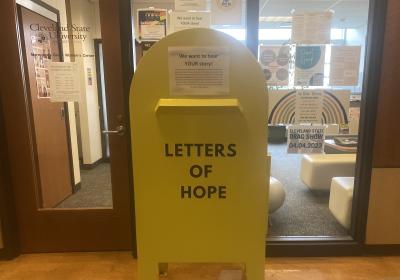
x: 90, y: 166
x: 383, y: 250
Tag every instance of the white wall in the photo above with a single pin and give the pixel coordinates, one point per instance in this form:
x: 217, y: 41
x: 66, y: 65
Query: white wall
x: 60, y: 5
x: 85, y: 13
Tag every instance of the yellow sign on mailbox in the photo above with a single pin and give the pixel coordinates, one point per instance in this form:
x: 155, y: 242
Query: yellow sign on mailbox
x: 200, y: 165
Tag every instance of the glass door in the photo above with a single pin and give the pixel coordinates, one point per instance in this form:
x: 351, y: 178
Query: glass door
x: 79, y: 197
x: 313, y: 56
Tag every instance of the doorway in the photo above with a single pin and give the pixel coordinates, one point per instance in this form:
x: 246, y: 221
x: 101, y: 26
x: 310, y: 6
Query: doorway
x: 65, y: 31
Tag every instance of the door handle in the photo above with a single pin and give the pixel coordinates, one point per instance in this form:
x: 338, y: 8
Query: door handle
x: 119, y: 130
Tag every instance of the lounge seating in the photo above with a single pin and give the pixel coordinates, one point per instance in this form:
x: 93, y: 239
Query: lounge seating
x: 276, y: 195
x: 318, y: 170
x: 341, y: 199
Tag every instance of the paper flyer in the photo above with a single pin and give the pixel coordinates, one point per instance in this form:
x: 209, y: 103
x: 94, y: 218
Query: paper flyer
x: 275, y: 63
x: 226, y: 12
x: 306, y: 139
x: 308, y: 108
x: 41, y: 52
x: 152, y: 24
x: 310, y: 62
x: 282, y: 106
x: 345, y: 65
x: 65, y: 82
x: 198, y: 70
x: 190, y: 5
x: 186, y: 20
x: 311, y: 28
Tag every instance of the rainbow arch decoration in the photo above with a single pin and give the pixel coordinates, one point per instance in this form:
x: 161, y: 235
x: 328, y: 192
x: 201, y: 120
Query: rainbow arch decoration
x: 282, y: 107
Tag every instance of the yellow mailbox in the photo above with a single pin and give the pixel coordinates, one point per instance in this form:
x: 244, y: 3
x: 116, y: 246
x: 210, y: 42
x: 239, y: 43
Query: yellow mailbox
x: 198, y: 106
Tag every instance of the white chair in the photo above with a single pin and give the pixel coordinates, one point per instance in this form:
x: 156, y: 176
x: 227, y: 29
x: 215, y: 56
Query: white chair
x: 317, y: 170
x: 277, y: 195
x: 341, y: 199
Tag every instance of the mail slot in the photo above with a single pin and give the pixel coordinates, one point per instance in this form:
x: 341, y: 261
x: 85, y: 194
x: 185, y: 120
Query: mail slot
x: 199, y: 108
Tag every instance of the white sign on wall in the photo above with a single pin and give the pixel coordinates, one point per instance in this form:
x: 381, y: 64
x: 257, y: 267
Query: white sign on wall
x: 306, y: 139
x: 152, y: 24
x: 312, y: 28
x: 275, y: 63
x: 65, y: 81
x: 310, y: 65
x: 226, y: 12
x: 187, y: 20
x: 190, y: 5
x: 345, y: 65
x: 309, y: 106
x: 198, y: 70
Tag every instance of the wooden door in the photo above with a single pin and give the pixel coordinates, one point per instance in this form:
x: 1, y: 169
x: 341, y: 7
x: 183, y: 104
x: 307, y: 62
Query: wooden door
x: 48, y: 119
x: 45, y: 229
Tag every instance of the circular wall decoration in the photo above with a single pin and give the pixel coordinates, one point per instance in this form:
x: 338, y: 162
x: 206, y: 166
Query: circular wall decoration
x: 307, y: 57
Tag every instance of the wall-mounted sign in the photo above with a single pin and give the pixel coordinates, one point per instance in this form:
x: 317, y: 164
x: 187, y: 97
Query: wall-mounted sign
x: 282, y: 106
x: 198, y: 70
x: 190, y: 5
x: 310, y: 62
x: 312, y: 28
x: 345, y: 65
x: 186, y: 20
x: 309, y: 106
x: 226, y: 12
x: 306, y: 139
x: 152, y: 24
x: 275, y: 63
x: 65, y: 81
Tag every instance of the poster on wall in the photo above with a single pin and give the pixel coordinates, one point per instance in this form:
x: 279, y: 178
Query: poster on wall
x: 306, y: 139
x: 152, y: 24
x: 310, y: 62
x: 309, y: 107
x: 275, y: 63
x: 186, y: 20
x: 226, y: 12
x: 190, y: 5
x: 198, y: 70
x: 65, y: 81
x: 282, y: 106
x: 345, y: 65
x: 311, y: 28
x: 41, y: 52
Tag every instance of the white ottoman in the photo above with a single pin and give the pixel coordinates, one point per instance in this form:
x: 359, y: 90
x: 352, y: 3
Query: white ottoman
x: 341, y: 199
x: 317, y: 170
x: 276, y: 195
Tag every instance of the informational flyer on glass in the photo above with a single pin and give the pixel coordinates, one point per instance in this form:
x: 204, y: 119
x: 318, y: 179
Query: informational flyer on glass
x: 275, y: 63
x: 311, y: 28
x: 198, y: 70
x: 226, y: 12
x: 41, y: 52
x: 309, y: 106
x: 186, y: 20
x: 310, y: 62
x: 65, y: 82
x: 190, y: 5
x: 306, y: 139
x: 152, y: 24
x: 345, y: 65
